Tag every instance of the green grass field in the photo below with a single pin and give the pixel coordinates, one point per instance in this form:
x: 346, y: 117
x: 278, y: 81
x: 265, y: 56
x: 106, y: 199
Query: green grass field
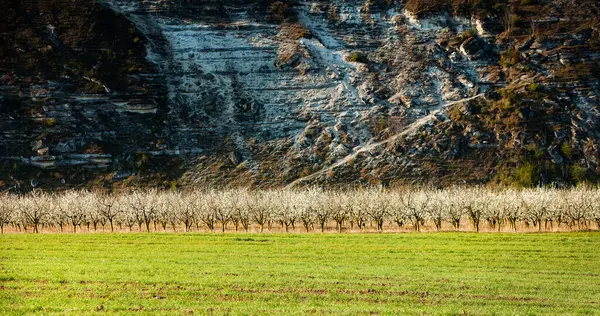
x: 431, y: 273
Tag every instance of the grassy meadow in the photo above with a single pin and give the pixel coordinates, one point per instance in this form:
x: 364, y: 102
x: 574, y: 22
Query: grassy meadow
x: 423, y: 273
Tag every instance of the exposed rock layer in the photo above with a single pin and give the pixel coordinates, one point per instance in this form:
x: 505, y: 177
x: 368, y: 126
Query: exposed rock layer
x: 267, y: 93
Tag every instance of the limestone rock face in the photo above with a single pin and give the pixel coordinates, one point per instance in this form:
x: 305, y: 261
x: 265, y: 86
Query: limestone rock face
x: 266, y: 93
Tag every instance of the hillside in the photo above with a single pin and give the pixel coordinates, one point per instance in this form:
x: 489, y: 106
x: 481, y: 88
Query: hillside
x: 265, y: 93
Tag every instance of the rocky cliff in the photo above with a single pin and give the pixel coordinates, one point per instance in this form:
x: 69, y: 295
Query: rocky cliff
x: 270, y: 93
